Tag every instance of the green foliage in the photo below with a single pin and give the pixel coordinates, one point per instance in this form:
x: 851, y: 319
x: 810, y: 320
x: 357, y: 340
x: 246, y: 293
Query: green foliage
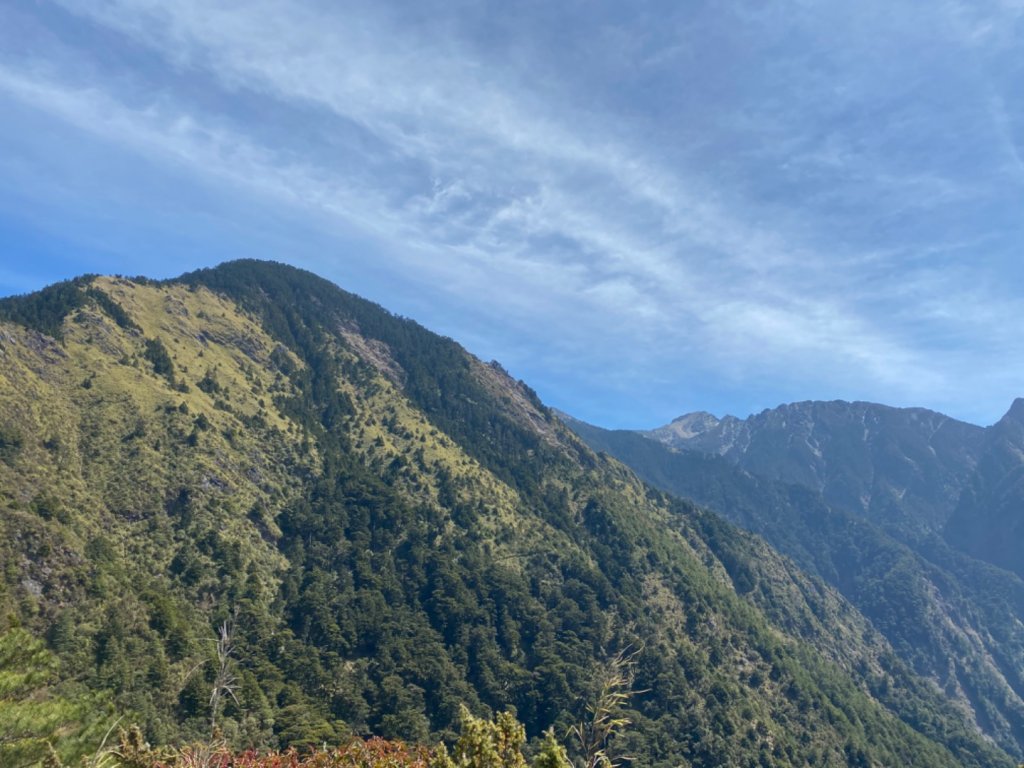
x: 160, y: 358
x: 132, y: 751
x: 551, y: 753
x: 45, y: 310
x: 34, y: 716
x: 28, y: 719
x: 11, y: 443
x: 490, y: 744
x: 209, y: 384
x: 113, y: 310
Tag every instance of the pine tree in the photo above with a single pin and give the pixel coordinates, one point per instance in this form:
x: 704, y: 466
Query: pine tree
x: 36, y: 723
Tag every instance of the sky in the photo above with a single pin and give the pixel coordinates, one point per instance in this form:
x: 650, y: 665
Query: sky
x: 642, y: 209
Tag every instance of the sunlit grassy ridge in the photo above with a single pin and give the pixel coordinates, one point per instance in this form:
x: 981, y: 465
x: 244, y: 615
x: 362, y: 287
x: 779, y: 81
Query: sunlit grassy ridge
x: 392, y: 529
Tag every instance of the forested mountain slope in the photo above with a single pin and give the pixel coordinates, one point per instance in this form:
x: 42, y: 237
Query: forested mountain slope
x: 954, y: 619
x: 391, y: 528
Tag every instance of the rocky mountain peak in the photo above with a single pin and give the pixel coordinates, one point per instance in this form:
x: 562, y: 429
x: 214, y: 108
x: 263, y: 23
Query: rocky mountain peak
x: 692, y: 424
x: 1015, y: 414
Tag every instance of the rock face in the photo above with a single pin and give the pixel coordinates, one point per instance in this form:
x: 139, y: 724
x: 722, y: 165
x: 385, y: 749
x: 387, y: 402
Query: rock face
x: 988, y: 522
x: 899, y: 467
x: 909, y: 470
x: 686, y: 427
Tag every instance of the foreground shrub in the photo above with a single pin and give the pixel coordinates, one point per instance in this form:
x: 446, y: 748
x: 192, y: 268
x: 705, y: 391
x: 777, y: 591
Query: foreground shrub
x: 375, y: 753
x: 483, y: 743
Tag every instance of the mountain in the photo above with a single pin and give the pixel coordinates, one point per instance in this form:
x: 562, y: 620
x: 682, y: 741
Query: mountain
x: 954, y: 619
x: 386, y: 528
x: 988, y: 521
x: 902, y: 468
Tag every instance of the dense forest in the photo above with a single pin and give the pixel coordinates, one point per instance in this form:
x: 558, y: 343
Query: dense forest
x: 246, y: 510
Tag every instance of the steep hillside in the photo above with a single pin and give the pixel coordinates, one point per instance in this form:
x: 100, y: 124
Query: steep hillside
x: 388, y: 528
x: 954, y: 620
x: 988, y: 522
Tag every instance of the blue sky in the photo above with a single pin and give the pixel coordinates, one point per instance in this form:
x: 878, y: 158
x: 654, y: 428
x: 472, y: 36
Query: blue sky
x: 642, y: 209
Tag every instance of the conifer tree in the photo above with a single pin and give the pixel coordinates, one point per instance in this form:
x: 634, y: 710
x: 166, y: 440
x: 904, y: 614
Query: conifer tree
x: 31, y: 716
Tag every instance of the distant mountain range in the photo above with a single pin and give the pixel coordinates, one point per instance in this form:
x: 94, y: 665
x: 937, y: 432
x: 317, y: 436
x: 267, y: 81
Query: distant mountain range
x: 390, y: 528
x: 898, y: 467
x: 914, y: 517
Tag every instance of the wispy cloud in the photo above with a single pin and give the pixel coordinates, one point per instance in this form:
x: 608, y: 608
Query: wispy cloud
x: 757, y: 218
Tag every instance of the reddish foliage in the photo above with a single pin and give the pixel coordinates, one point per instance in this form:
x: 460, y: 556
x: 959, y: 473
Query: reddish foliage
x: 375, y: 753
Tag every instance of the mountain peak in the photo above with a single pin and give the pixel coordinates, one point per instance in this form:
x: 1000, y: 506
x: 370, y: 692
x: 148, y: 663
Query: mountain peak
x: 1016, y: 412
x: 692, y: 424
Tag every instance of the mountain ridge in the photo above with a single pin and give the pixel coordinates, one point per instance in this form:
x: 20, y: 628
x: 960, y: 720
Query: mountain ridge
x: 862, y: 456
x: 942, y: 611
x: 393, y: 528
